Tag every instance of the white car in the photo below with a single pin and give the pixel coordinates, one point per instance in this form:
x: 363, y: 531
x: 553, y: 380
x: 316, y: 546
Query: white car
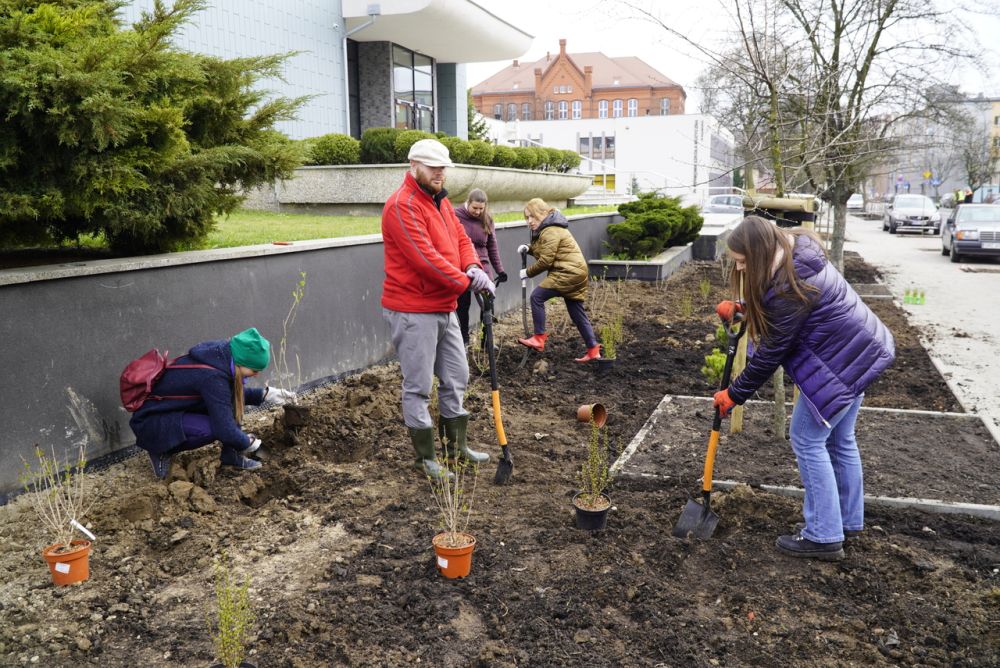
x: 911, y: 213
x: 972, y: 229
x: 856, y: 202
x: 724, y: 204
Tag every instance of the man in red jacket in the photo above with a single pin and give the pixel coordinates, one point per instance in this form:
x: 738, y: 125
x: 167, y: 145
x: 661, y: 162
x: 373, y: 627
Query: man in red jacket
x: 429, y: 262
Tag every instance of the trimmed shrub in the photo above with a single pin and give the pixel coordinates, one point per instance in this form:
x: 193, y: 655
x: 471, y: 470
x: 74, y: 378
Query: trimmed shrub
x: 334, y: 149
x: 570, y: 160
x: 407, y: 138
x: 651, y: 224
x: 378, y: 146
x: 527, y: 157
x: 482, y: 152
x: 458, y: 149
x: 504, y: 156
x: 553, y: 159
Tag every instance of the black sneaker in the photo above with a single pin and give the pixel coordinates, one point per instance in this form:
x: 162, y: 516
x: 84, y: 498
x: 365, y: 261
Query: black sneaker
x: 161, y: 464
x: 797, y: 546
x: 848, y: 533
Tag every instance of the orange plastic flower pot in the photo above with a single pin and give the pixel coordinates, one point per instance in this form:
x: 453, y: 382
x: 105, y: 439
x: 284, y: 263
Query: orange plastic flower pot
x: 597, y: 411
x: 70, y: 566
x: 454, y: 562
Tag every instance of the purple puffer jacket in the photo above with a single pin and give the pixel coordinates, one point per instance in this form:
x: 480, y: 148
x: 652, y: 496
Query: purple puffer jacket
x: 486, y: 244
x: 833, y: 349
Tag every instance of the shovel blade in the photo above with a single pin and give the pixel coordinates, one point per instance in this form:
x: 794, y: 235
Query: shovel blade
x: 696, y: 521
x: 505, y: 468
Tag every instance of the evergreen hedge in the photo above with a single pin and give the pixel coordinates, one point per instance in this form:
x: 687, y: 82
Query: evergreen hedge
x: 653, y: 223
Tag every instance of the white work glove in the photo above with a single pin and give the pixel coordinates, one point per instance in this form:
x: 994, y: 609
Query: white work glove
x: 523, y: 274
x: 279, y: 397
x: 254, y: 444
x: 522, y: 249
x: 480, y: 281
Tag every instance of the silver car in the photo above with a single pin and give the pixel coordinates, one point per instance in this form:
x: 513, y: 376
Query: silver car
x: 972, y: 229
x: 724, y: 204
x: 911, y: 213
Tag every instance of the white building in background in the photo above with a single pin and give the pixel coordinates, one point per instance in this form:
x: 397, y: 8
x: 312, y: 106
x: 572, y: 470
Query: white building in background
x: 688, y: 155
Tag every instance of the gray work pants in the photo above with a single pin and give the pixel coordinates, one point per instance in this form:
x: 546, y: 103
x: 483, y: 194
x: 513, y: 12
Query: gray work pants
x: 428, y: 345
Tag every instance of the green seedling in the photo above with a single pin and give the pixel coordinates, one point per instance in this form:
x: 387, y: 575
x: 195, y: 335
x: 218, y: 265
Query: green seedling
x: 686, y: 306
x: 234, y: 617
x: 705, y: 288
x: 714, y: 364
x: 594, y: 476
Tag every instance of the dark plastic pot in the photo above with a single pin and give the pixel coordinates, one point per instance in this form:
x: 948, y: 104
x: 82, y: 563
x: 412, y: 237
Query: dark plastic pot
x: 604, y: 367
x: 591, y: 520
x: 296, y: 416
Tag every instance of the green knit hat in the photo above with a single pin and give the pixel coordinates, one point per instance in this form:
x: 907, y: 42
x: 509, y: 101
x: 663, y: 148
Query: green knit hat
x: 250, y: 349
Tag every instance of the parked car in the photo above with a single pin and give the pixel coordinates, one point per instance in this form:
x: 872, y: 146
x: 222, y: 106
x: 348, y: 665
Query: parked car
x: 856, y: 202
x: 911, y: 213
x: 972, y: 229
x: 723, y: 204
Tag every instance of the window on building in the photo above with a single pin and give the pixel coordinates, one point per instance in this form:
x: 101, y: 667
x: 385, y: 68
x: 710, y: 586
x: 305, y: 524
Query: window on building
x: 609, y: 148
x: 526, y: 112
x: 555, y: 90
x: 602, y: 109
x: 562, y: 89
x: 498, y: 112
x: 569, y: 89
x: 616, y: 109
x: 413, y: 90
x: 511, y: 112
x: 598, y: 143
x: 550, y: 110
x: 584, y: 147
x: 665, y: 106
x: 633, y: 107
x: 577, y: 109
x: 563, y: 110
x: 996, y: 120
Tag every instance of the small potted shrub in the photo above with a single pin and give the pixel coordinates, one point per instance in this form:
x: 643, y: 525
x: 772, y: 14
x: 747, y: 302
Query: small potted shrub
x: 233, y: 620
x: 454, y: 494
x: 611, y: 338
x: 60, y: 496
x: 591, y: 502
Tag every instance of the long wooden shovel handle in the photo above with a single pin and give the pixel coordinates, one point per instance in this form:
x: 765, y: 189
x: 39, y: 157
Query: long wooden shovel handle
x: 713, y: 444
x: 498, y: 419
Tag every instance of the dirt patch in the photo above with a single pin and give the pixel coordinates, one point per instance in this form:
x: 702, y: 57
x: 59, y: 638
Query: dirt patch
x: 335, y: 532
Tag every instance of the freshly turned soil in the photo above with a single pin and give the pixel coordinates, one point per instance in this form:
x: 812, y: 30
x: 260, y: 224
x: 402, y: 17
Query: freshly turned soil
x: 335, y: 530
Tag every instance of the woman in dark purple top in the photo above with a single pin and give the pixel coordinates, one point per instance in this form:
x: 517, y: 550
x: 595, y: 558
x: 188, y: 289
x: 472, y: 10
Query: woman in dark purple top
x: 803, y: 316
x: 478, y: 224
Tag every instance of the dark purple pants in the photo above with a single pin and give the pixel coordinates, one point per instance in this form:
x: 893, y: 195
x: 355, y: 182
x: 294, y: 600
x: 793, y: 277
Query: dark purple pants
x: 576, y: 313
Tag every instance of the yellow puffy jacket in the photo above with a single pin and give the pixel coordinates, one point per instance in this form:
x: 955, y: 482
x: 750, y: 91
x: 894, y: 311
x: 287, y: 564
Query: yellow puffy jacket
x: 556, y: 251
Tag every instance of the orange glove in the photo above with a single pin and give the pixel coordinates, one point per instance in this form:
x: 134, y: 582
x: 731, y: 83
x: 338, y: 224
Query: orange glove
x: 723, y: 402
x: 728, y: 309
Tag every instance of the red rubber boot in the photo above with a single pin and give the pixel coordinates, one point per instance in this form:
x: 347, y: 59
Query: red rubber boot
x: 536, y: 342
x: 593, y: 353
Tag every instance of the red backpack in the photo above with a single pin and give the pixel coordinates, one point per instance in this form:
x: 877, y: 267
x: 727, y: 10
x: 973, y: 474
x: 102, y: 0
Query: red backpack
x: 137, y: 380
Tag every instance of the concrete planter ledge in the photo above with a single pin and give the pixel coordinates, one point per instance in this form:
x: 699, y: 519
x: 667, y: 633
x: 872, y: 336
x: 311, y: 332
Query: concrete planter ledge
x: 363, y: 189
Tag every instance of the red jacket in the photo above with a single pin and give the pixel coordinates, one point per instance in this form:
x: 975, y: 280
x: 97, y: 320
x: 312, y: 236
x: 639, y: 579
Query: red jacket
x: 426, y: 252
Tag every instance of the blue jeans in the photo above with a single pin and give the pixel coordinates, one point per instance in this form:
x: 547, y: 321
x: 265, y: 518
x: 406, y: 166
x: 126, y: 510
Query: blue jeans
x: 830, y: 468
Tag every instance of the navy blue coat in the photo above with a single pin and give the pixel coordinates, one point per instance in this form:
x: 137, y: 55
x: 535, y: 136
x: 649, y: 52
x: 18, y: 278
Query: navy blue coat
x: 833, y: 349
x: 157, y: 424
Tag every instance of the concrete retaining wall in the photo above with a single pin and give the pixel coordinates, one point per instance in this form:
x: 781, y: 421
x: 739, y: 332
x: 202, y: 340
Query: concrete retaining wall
x: 69, y: 330
x: 361, y: 190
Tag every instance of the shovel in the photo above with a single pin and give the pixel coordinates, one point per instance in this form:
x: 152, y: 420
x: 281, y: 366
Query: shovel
x: 524, y: 310
x: 697, y: 519
x: 505, y: 468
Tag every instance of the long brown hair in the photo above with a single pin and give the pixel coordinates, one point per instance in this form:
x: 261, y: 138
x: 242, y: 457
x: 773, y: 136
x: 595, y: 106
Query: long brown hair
x: 477, y: 195
x: 238, y: 394
x: 758, y: 240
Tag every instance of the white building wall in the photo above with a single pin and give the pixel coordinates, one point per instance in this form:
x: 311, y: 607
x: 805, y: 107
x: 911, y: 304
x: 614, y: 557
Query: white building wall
x: 240, y: 28
x: 671, y: 153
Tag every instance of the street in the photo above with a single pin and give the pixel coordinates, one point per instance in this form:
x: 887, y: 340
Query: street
x: 961, y: 330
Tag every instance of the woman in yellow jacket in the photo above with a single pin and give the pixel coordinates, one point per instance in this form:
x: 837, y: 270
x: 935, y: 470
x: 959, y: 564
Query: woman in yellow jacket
x: 556, y: 251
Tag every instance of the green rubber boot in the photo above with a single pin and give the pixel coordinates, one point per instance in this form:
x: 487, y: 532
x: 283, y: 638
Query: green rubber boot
x: 455, y: 441
x: 423, y: 443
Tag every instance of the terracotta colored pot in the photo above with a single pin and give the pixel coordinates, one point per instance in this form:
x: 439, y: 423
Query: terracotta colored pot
x: 591, y: 519
x: 598, y: 411
x: 454, y: 562
x: 71, y: 566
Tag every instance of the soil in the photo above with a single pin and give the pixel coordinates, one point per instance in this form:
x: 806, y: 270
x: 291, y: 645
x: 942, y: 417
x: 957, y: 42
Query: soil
x: 335, y: 530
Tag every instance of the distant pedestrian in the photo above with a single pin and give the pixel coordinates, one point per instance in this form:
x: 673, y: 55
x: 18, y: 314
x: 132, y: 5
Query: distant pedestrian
x: 429, y: 262
x: 556, y: 252
x: 805, y: 317
x: 968, y: 195
x: 204, y: 405
x: 478, y: 223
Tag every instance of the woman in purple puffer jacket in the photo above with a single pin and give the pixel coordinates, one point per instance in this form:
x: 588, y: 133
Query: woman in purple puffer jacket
x: 478, y: 224
x: 804, y: 316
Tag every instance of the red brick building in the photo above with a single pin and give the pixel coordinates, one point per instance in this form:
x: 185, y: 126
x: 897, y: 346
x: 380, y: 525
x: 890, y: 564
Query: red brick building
x: 577, y: 85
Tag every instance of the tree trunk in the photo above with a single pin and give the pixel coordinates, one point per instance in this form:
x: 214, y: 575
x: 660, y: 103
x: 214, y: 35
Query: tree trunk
x: 837, y: 240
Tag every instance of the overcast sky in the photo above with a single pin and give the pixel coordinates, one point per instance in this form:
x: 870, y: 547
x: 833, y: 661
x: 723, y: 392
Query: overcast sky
x: 604, y: 25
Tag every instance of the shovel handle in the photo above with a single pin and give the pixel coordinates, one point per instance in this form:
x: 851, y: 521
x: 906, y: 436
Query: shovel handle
x: 498, y: 419
x: 713, y: 444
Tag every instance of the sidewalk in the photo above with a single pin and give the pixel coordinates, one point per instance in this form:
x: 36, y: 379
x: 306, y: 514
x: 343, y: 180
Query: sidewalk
x: 960, y: 328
